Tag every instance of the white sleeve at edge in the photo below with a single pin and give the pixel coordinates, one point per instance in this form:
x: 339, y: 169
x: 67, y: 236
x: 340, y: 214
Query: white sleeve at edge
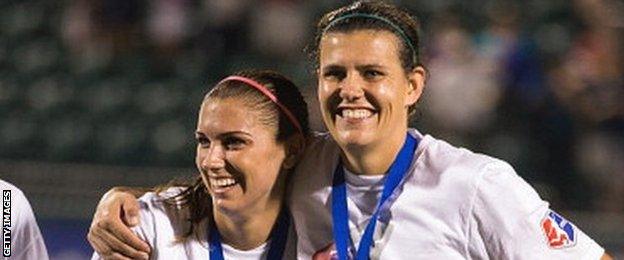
x: 507, y: 217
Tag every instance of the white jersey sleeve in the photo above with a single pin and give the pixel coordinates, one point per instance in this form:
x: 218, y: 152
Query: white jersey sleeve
x: 163, y: 226
x: 26, y: 239
x: 510, y: 221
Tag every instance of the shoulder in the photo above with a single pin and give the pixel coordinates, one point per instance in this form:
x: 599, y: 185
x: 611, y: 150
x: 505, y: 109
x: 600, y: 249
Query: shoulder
x: 441, y: 156
x: 505, y: 216
x: 163, y: 215
x: 489, y: 180
x: 438, y: 162
x: 161, y: 197
x: 319, y: 160
x: 320, y: 142
x: 19, y: 203
x: 15, y: 193
x: 165, y: 204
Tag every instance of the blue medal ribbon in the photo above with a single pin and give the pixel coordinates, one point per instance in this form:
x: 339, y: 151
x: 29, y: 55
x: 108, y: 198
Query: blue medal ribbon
x: 278, y: 236
x: 340, y: 213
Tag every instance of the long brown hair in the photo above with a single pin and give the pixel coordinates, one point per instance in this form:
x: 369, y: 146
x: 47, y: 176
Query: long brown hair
x: 194, y: 195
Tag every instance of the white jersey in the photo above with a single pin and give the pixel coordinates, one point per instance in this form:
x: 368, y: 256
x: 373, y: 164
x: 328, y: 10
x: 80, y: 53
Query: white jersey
x: 162, y: 225
x: 454, y: 204
x: 26, y: 240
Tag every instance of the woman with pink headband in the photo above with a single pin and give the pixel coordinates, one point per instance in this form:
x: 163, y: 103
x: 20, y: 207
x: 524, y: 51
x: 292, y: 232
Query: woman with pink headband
x: 250, y: 132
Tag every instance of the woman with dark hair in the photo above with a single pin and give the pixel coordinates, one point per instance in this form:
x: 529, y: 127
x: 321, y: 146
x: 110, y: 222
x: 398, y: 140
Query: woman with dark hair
x: 396, y: 193
x: 250, y: 132
x: 390, y: 192
x: 375, y: 188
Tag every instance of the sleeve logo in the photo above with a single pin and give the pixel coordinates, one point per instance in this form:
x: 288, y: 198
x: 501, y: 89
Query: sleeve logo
x: 559, y: 232
x: 326, y: 253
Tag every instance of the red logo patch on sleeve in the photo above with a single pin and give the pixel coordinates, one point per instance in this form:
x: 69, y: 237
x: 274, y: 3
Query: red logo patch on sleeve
x: 559, y: 232
x: 326, y: 253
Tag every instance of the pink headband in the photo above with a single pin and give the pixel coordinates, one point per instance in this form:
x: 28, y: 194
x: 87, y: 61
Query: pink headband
x: 269, y: 94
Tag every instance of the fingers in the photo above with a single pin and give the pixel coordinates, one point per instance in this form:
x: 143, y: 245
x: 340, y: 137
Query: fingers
x: 130, y: 211
x: 122, y: 233
x: 109, y: 235
x: 104, y: 251
x: 101, y: 248
x: 109, y: 246
x: 117, y: 256
x: 108, y: 207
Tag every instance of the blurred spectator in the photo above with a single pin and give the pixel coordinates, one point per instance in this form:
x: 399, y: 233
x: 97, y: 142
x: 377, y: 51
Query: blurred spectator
x: 119, y: 22
x: 278, y: 28
x: 589, y: 83
x: 589, y: 80
x: 168, y: 24
x: 78, y: 30
x: 462, y: 92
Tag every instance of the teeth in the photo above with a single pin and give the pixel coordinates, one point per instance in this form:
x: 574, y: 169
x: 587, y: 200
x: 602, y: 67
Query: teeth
x: 356, y: 113
x: 220, y: 183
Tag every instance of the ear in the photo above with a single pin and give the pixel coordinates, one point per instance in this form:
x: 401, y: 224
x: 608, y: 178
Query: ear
x: 295, y: 146
x: 416, y: 79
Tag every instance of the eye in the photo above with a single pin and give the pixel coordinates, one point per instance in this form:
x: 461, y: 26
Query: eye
x: 234, y: 143
x: 202, y: 141
x: 334, y: 74
x: 372, y: 74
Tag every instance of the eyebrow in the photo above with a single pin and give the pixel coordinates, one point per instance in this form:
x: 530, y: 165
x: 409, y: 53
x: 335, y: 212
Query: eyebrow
x: 332, y: 67
x: 226, y: 134
x: 231, y: 133
x: 370, y: 66
x: 358, y: 67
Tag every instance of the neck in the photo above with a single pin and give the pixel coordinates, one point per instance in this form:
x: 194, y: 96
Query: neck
x: 374, y: 159
x: 250, y: 230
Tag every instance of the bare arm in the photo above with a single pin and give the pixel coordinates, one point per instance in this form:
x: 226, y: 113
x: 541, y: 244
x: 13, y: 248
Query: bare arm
x: 606, y: 257
x: 110, y: 234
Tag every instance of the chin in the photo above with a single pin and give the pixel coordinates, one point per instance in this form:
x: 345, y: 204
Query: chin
x: 227, y: 207
x: 354, y: 138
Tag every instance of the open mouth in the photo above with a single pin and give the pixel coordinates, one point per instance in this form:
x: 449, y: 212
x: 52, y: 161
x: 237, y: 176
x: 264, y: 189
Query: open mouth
x: 223, y: 183
x: 358, y: 113
x: 354, y: 114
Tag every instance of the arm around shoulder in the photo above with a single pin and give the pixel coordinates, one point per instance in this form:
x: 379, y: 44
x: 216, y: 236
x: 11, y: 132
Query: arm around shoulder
x: 109, y: 233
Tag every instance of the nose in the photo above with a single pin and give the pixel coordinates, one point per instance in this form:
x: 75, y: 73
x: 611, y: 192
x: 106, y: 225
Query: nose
x: 214, y: 160
x: 351, y: 88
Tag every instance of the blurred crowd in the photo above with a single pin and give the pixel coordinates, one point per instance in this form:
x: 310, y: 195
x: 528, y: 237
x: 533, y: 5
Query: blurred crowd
x: 540, y: 84
x: 537, y: 83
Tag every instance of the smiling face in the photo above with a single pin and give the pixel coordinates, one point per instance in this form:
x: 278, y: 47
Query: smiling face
x: 238, y: 157
x: 363, y: 90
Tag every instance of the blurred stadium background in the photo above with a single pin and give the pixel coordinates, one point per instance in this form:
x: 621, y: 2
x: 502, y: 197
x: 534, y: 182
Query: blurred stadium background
x: 99, y: 93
